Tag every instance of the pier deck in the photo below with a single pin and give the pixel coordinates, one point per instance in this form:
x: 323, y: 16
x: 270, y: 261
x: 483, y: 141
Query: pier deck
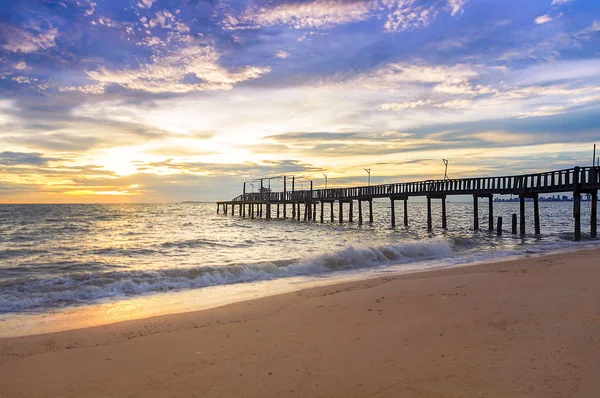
x: 577, y: 180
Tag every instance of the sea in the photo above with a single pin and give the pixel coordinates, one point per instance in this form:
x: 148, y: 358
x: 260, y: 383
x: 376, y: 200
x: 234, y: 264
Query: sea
x: 66, y: 266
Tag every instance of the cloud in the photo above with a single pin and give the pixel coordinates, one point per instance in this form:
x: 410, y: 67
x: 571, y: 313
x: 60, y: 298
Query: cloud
x: 406, y: 16
x: 310, y: 137
x: 398, y: 75
x: 561, y: 2
x: 190, y: 69
x: 145, y: 3
x: 304, y: 15
x: 399, y: 106
x: 543, y: 111
x: 91, y: 8
x: 542, y: 19
x: 22, y: 158
x: 22, y: 41
x: 456, y: 6
x: 282, y: 54
x: 20, y: 65
x: 401, y: 15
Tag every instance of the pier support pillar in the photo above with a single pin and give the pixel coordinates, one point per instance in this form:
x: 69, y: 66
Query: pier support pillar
x: 393, y: 209
x: 268, y: 206
x: 293, y: 211
x: 298, y: 212
x: 277, y: 210
x: 218, y: 206
x: 577, y: 214
x: 322, y: 213
x: 429, y: 223
x: 594, y: 215
x: 522, y: 214
x: 491, y: 213
x: 514, y: 223
x: 360, y: 217
x: 284, y: 210
x: 370, y: 210
x: 351, y: 211
x: 475, y: 212
x: 331, y: 211
x: 243, y: 210
x: 444, y: 219
x: 225, y: 208
x: 406, y: 212
x: 341, y: 215
x: 536, y: 214
x: 240, y: 210
x: 499, y: 226
x: 314, y: 213
x: 307, y: 212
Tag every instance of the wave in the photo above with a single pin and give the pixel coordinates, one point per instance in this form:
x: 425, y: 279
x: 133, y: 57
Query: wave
x: 28, y: 294
x: 11, y: 253
x: 192, y: 243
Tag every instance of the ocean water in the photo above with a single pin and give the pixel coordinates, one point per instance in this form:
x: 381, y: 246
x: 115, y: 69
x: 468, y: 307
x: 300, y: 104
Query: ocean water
x: 54, y: 257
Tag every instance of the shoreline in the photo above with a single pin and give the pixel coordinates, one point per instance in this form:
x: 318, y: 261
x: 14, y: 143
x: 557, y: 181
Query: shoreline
x: 525, y: 327
x: 135, y: 308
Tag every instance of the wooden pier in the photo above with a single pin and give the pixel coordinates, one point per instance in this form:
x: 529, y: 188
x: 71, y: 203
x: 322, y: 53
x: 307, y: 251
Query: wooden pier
x: 578, y: 181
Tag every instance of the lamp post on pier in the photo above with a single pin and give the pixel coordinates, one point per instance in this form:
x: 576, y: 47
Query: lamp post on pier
x: 369, y: 173
x: 446, y: 169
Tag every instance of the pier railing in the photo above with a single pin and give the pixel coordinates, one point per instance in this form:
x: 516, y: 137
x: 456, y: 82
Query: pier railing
x: 574, y: 179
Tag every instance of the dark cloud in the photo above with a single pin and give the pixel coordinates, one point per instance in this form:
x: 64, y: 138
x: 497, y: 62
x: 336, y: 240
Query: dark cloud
x: 243, y: 170
x: 311, y: 137
x: 23, y: 158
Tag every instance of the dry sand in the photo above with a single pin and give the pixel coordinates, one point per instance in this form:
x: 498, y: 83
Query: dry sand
x: 523, y: 328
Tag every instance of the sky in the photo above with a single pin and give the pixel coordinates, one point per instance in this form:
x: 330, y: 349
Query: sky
x: 167, y: 100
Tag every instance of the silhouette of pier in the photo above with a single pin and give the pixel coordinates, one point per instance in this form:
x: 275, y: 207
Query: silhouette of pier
x: 577, y: 180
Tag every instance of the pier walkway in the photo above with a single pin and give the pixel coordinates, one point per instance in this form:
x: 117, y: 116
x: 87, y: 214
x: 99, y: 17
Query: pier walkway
x: 577, y: 180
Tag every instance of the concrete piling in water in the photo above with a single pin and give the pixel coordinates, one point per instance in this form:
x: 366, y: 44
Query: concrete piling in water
x: 350, y: 211
x: 536, y: 214
x: 577, y: 214
x: 429, y: 221
x: 322, y: 212
x: 491, y: 213
x: 360, y: 216
x: 475, y: 213
x: 331, y: 212
x: 522, y: 214
x: 444, y: 222
x: 594, y: 215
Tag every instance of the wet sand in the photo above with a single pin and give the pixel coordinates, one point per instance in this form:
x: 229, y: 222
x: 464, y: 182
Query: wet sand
x: 522, y: 328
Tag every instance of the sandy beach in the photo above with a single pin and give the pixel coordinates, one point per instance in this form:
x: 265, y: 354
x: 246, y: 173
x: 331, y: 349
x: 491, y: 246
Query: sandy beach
x: 522, y: 328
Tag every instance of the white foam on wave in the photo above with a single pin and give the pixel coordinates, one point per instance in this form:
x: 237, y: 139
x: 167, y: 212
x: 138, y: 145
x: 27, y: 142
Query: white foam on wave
x: 38, y: 293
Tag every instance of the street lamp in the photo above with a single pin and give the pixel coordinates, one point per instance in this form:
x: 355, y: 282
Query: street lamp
x: 325, y: 175
x: 369, y: 173
x: 446, y: 170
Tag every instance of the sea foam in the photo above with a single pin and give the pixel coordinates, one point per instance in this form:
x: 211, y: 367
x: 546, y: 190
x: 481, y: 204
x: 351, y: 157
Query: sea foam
x: 27, y: 294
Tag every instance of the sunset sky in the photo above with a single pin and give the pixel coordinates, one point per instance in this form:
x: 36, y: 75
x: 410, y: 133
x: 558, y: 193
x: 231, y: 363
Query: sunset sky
x: 166, y: 100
